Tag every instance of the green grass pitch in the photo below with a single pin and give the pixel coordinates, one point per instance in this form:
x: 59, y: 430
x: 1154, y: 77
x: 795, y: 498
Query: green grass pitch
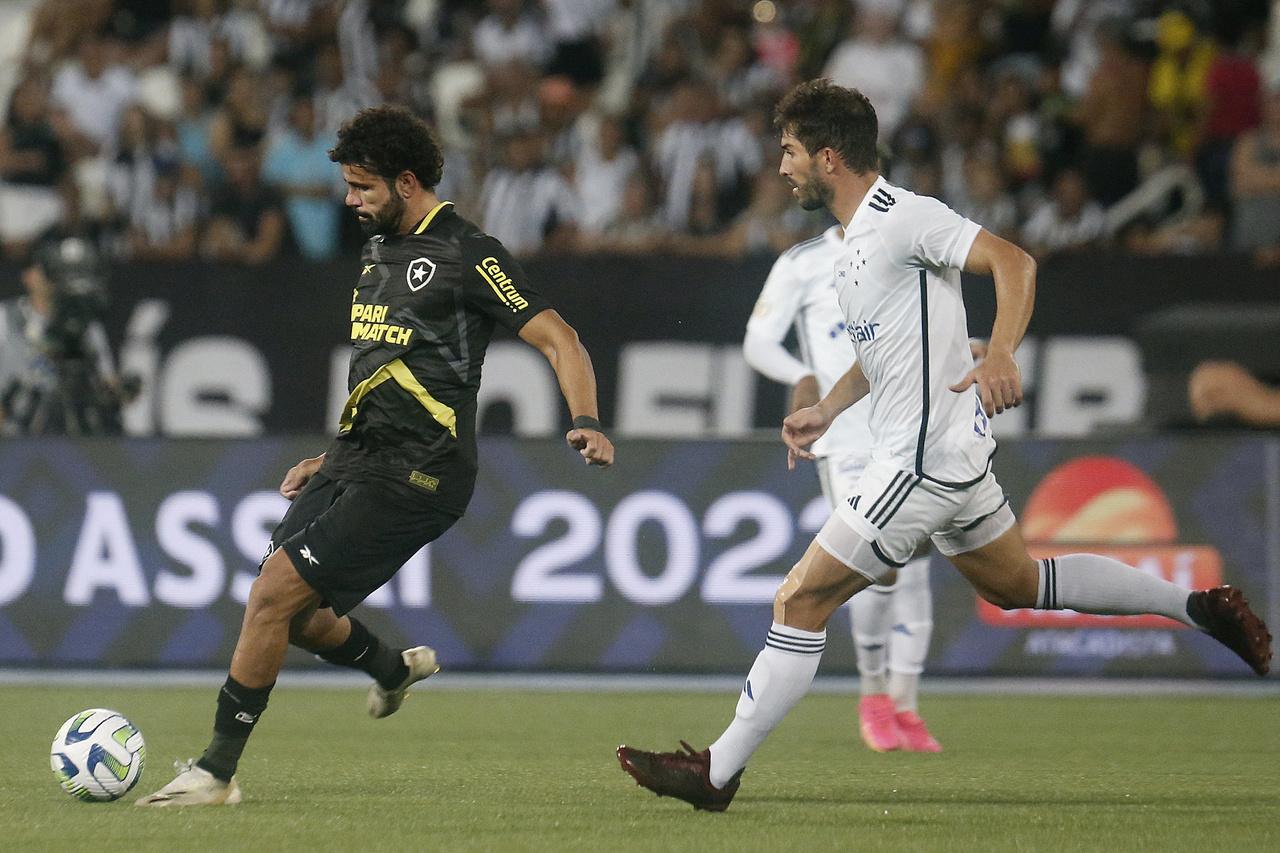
x: 510, y: 770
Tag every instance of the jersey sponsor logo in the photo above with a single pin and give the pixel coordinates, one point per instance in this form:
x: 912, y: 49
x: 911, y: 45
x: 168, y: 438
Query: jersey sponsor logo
x: 882, y: 201
x: 420, y: 273
x: 424, y: 481
x: 863, y: 332
x: 368, y: 323
x: 502, y: 285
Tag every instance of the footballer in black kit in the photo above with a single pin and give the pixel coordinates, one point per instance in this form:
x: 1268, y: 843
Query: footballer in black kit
x: 403, y: 465
x: 401, y: 469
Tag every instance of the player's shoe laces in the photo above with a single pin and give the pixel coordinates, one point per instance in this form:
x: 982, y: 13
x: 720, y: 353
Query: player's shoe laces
x: 914, y: 733
x: 193, y: 786
x: 1224, y: 614
x: 684, y: 775
x: 421, y: 661
x: 877, y: 723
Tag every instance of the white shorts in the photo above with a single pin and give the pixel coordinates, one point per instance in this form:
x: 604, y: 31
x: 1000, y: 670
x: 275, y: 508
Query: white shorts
x: 889, y: 513
x: 839, y: 475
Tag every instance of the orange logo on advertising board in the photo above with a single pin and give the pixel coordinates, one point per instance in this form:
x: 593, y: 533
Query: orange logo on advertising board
x: 1110, y: 507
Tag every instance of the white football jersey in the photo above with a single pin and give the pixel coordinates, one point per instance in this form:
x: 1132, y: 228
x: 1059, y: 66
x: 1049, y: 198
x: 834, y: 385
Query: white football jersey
x: 898, y: 284
x: 801, y: 291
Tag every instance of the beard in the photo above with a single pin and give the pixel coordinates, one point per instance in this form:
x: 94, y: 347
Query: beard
x: 385, y: 221
x: 813, y: 194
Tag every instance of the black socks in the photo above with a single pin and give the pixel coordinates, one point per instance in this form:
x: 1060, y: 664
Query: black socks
x: 239, y: 708
x: 365, y: 652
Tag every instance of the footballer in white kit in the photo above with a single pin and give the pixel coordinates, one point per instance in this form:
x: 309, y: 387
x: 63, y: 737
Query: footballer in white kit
x: 898, y: 285
x: 891, y: 624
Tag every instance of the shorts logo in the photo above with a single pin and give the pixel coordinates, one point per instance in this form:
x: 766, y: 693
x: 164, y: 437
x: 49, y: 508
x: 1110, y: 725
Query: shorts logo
x: 424, y: 481
x: 420, y: 273
x: 305, y: 552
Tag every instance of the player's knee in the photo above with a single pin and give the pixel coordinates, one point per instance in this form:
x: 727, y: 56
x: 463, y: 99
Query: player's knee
x: 1010, y: 597
x: 277, y: 594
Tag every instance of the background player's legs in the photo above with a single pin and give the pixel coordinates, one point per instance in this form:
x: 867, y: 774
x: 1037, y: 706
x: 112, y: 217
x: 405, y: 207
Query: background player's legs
x: 871, y: 617
x: 911, y: 631
x: 1005, y: 574
x: 814, y: 589
x: 345, y: 641
x: 908, y: 647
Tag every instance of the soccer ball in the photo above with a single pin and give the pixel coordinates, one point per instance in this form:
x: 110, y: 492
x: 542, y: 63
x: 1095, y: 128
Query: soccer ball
x: 97, y: 755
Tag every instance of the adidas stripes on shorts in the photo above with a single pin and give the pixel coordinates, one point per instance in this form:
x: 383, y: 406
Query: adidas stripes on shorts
x: 876, y: 528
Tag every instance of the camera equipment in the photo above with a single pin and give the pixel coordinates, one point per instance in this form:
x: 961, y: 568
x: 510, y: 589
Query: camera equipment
x: 63, y: 391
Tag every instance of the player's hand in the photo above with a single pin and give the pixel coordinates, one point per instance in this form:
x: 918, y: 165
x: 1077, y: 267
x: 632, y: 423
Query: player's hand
x: 299, y: 475
x: 800, y: 429
x: 594, y: 446
x: 998, y: 379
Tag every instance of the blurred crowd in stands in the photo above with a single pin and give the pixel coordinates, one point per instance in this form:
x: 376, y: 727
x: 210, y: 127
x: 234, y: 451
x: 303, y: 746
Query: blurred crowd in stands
x: 181, y: 129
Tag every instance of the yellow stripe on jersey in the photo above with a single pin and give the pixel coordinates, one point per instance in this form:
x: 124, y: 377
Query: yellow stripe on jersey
x: 397, y: 371
x: 426, y: 222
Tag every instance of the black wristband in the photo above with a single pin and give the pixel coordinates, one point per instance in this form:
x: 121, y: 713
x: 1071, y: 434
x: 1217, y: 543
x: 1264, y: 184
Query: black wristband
x: 587, y: 422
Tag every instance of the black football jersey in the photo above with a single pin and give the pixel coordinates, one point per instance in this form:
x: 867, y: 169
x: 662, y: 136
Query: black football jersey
x: 422, y: 313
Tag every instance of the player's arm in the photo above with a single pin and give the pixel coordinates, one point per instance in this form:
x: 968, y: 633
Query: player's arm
x: 774, y: 313
x: 804, y: 426
x: 554, y: 338
x: 998, y: 378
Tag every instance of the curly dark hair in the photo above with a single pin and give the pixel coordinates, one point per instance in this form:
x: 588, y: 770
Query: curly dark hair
x: 823, y: 115
x: 388, y: 140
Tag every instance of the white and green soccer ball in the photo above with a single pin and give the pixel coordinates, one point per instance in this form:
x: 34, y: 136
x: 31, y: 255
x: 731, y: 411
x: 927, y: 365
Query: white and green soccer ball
x: 98, y: 755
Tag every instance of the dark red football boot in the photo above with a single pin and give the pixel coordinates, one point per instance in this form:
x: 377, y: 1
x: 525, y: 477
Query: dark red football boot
x: 1224, y: 614
x: 683, y: 775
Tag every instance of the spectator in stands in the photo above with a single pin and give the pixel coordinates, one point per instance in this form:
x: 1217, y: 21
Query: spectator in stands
x: 987, y: 200
x: 1110, y: 116
x: 638, y: 228
x: 193, y: 126
x: 575, y: 28
x: 162, y: 225
x: 1177, y: 86
x: 736, y: 72
x: 526, y: 204
x: 297, y: 164
x: 600, y: 176
x: 33, y: 166
x: 240, y: 124
x: 875, y: 59
x: 1255, y: 181
x: 131, y: 171
x: 1225, y: 391
x: 1233, y: 106
x: 695, y: 132
x: 94, y: 90
x: 1069, y: 220
x: 246, y: 223
x: 510, y: 34
x: 338, y: 96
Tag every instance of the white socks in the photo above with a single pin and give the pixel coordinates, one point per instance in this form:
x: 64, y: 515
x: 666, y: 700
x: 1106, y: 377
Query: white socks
x: 912, y: 630
x: 894, y: 624
x: 778, y: 679
x: 870, y: 616
x: 1092, y: 584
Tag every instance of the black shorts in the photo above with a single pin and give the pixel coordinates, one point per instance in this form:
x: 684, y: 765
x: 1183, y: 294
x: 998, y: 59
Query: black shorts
x: 348, y: 538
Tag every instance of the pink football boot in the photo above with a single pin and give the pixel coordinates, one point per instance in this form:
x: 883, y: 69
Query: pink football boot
x: 915, y: 736
x: 877, y: 723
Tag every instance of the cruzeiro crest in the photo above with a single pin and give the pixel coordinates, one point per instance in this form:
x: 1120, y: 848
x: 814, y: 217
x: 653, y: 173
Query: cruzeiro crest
x: 420, y: 273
